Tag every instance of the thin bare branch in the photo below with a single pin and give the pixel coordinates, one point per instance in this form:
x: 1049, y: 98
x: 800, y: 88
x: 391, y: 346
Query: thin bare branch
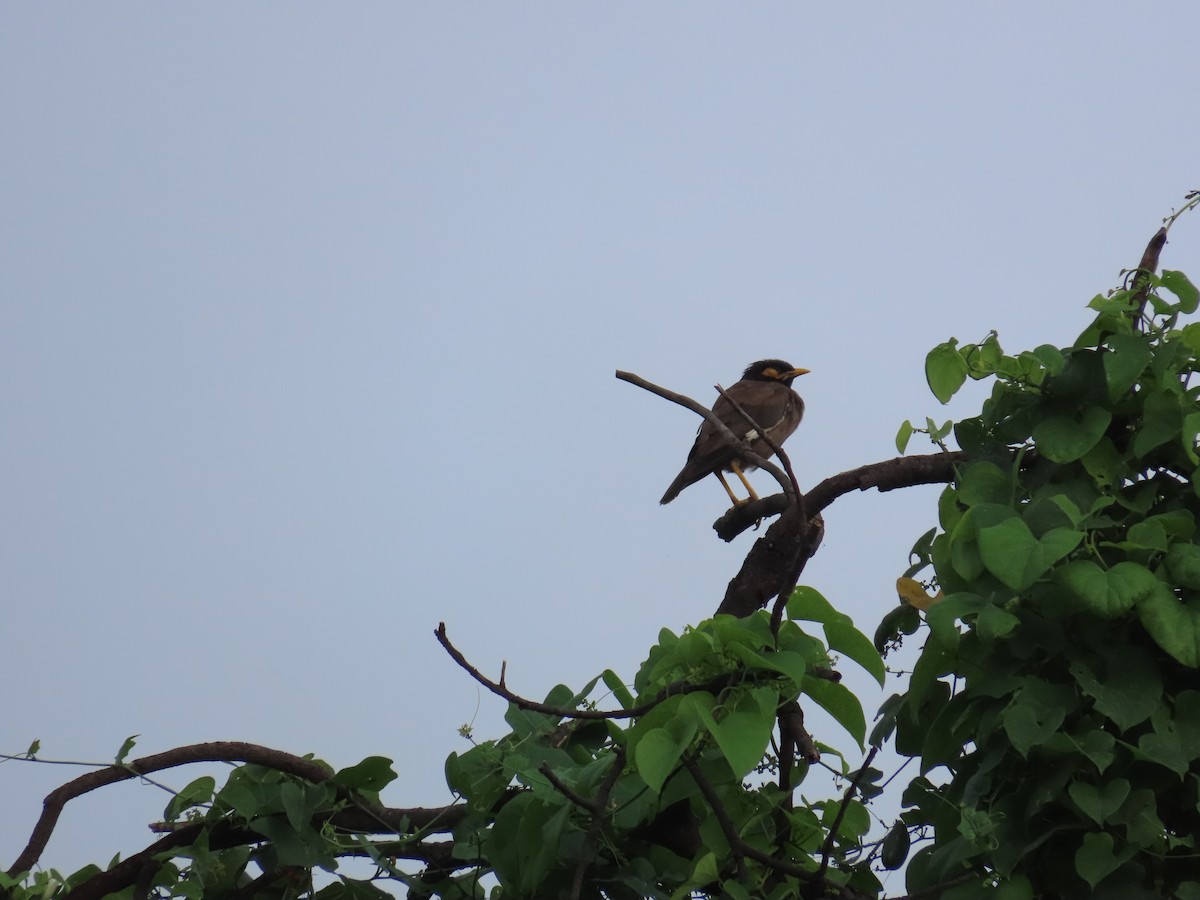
x: 713, y: 685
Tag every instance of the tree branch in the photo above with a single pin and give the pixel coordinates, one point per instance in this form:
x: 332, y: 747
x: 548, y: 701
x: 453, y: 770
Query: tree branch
x: 217, y: 751
x: 827, y: 847
x: 591, y: 843
x: 776, y: 560
x: 362, y: 817
x: 741, y: 849
x: 713, y: 685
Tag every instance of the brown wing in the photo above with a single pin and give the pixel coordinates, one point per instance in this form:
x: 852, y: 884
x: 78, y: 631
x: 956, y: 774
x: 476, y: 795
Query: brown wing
x: 773, y: 406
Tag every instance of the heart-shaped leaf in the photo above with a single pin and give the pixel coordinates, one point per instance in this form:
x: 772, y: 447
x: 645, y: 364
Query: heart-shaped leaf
x: 1100, y: 801
x: 1011, y: 552
x: 1108, y: 592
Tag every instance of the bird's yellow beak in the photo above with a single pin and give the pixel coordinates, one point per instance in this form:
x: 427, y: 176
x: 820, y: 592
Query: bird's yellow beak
x: 795, y: 372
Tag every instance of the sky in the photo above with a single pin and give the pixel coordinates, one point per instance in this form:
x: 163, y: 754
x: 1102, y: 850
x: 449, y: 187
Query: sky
x: 309, y: 316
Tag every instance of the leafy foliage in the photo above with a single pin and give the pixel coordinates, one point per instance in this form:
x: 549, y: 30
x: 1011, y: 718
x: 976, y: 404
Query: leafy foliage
x: 1054, y: 707
x: 1058, y: 688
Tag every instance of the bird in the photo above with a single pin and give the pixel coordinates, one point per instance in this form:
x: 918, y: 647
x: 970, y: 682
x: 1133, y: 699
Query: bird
x: 765, y: 393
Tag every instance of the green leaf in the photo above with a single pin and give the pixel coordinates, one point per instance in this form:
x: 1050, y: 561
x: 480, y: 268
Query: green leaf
x: 984, y: 482
x: 1174, y: 624
x: 807, y: 604
x: 1183, y: 564
x: 1063, y: 439
x: 1130, y: 697
x: 1119, y: 302
x: 1012, y: 887
x: 1187, y: 718
x: 292, y: 846
x: 1189, y: 433
x: 661, y: 736
x: 1162, y: 420
x: 1139, y: 815
x: 126, y: 747
x: 480, y: 775
x: 1191, y: 336
x: 1099, y: 802
x: 1096, y: 858
x: 1107, y: 593
x: 1148, y: 534
x: 895, y: 847
x: 903, y: 435
x: 1098, y: 746
x: 1035, y: 713
x: 197, y: 793
x: 372, y: 774
x: 617, y: 686
x: 1123, y: 365
x: 513, y: 846
x: 839, y: 702
x: 1177, y: 283
x: 656, y: 755
x: 1166, y: 744
x: 1050, y: 357
x: 945, y: 370
x: 993, y: 622
x: 292, y: 796
x: 744, y: 731
x: 1011, y: 552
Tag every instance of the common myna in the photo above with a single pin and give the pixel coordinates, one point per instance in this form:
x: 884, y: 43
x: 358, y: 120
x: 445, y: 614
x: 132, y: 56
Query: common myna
x: 765, y: 393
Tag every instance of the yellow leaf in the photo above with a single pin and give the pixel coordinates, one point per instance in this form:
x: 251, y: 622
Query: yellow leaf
x: 913, y: 594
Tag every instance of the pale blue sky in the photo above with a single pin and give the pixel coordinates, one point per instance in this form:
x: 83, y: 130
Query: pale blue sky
x: 309, y: 315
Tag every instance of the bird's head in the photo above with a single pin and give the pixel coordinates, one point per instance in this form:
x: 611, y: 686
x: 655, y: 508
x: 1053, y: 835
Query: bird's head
x: 772, y: 370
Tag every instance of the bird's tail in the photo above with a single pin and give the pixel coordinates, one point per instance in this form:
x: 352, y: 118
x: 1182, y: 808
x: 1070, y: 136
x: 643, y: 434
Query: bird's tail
x: 680, y: 482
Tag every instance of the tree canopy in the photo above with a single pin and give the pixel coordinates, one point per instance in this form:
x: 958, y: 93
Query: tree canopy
x: 1053, y: 712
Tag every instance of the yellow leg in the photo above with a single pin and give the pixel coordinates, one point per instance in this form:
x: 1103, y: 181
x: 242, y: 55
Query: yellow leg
x: 728, y: 490
x: 737, y: 470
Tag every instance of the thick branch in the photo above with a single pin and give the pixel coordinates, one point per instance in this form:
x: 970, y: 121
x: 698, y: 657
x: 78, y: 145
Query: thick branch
x: 1146, y: 268
x: 775, y: 561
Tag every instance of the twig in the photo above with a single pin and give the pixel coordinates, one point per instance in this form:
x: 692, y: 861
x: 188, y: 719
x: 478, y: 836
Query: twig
x: 713, y: 685
x: 563, y: 788
x: 786, y: 481
x: 827, y: 847
x: 742, y: 849
x: 591, y: 842
x: 740, y: 447
x: 736, y: 845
